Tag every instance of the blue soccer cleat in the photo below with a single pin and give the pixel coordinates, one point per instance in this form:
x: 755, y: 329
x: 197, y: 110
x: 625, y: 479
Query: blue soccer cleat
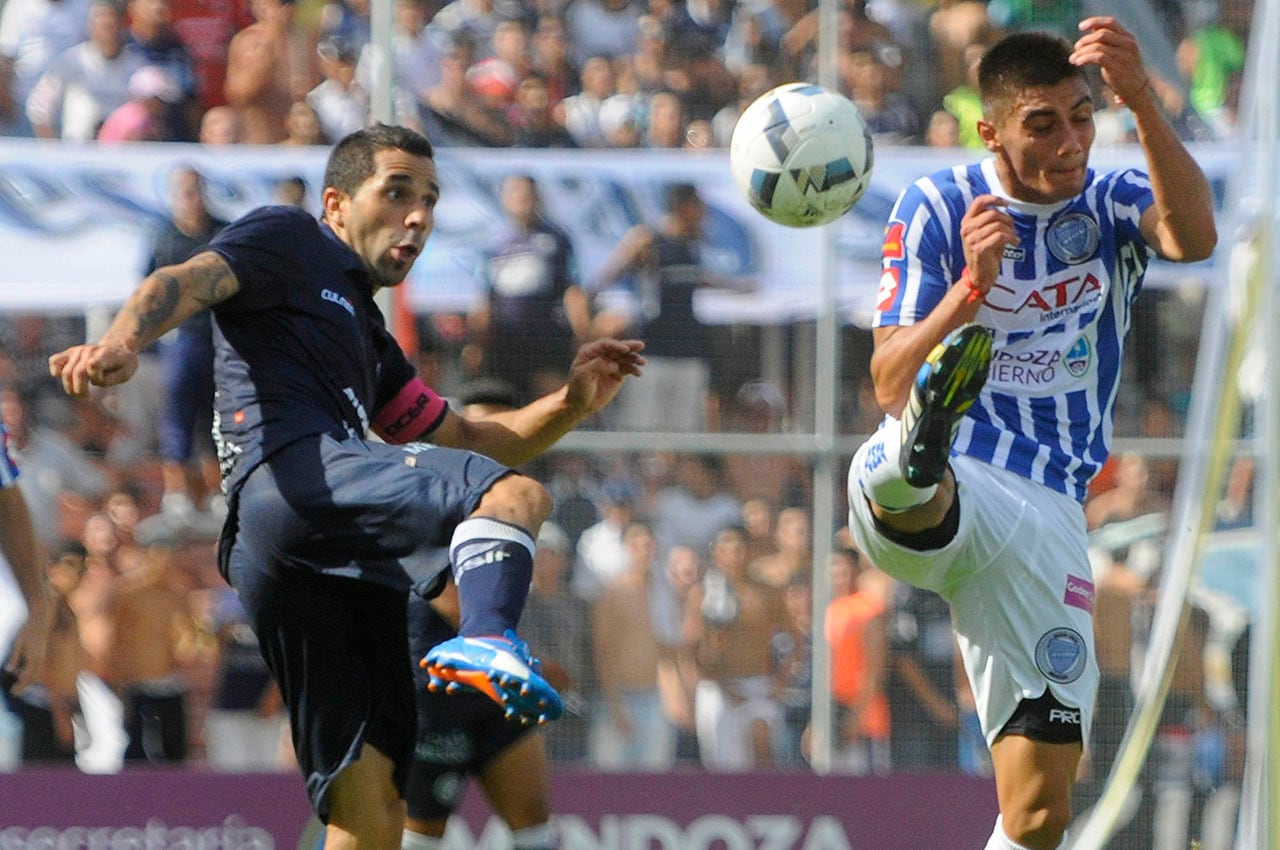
x: 945, y: 388
x: 501, y: 668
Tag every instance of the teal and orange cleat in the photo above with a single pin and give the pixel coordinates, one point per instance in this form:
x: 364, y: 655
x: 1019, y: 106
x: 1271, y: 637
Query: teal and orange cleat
x: 502, y: 669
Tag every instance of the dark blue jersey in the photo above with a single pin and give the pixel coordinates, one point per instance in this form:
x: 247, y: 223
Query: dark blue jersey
x: 302, y: 349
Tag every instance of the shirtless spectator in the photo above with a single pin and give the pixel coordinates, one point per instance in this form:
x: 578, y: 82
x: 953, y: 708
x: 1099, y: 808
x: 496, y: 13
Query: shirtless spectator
x: 49, y: 706
x: 630, y: 731
x: 730, y: 622
x: 794, y: 556
x: 259, y: 80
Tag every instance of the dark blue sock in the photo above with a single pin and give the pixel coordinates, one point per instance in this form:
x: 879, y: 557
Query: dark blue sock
x: 492, y: 567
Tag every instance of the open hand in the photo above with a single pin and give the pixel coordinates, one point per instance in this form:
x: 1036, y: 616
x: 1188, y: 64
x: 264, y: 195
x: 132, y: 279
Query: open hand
x: 599, y: 369
x: 1113, y: 49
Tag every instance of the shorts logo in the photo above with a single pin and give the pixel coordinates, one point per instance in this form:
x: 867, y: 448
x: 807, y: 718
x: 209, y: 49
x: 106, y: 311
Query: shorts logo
x: 1068, y: 716
x: 1079, y: 594
x: 1073, y: 238
x: 1079, y: 357
x: 1060, y: 655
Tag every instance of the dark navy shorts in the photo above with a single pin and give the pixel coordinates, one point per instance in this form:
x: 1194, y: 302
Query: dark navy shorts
x: 458, y: 734
x: 324, y: 539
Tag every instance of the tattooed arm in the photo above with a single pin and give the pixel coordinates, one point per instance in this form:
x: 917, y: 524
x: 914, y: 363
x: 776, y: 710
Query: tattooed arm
x: 165, y: 298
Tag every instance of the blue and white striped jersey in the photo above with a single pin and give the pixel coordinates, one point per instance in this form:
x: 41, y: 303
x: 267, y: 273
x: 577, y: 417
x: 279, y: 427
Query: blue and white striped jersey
x: 1060, y: 310
x: 8, y: 469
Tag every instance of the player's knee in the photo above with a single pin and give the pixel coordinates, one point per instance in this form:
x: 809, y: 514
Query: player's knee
x: 1038, y: 826
x: 519, y: 500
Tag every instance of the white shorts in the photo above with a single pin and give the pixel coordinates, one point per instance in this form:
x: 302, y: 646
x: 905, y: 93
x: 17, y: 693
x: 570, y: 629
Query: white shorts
x: 1018, y: 579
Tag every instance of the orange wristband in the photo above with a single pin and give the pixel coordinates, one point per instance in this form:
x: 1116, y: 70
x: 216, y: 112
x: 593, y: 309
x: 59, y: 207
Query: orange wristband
x: 975, y: 294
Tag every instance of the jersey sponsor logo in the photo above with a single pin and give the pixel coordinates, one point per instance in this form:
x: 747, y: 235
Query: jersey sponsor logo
x: 893, y: 237
x: 1079, y: 357
x: 1034, y: 368
x: 1053, y: 301
x: 336, y: 298
x: 1065, y: 716
x: 888, y: 290
x: 1079, y: 593
x: 622, y: 830
x: 1061, y: 655
x: 1013, y: 252
x: 1073, y: 238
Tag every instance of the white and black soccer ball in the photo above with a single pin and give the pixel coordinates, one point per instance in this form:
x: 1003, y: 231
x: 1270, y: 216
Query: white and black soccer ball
x: 802, y: 154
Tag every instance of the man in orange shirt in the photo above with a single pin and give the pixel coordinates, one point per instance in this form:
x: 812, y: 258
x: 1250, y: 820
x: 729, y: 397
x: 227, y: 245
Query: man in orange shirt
x: 856, y: 631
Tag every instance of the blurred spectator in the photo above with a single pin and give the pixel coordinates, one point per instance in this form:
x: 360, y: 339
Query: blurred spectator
x: 1212, y: 58
x: 292, y: 192
x: 758, y: 407
x: 602, y: 552
x: 622, y: 120
x: 647, y: 64
x: 753, y: 81
x: 602, y: 28
x: 259, y: 81
x: 754, y: 37
x: 86, y: 83
x: 206, y: 28
x: 955, y: 26
x: 857, y: 32
x: 963, y: 101
x: 49, y: 709
x: 340, y: 100
x: 550, y: 58
x: 191, y: 503
x: 696, y: 73
x: 677, y: 673
x: 889, y: 116
x: 346, y: 21
x: 457, y: 116
x: 153, y: 39
x: 417, y: 53
x: 32, y: 34
x: 533, y: 314
x: 693, y: 510
x: 303, y: 126
x: 668, y: 261
x: 532, y: 120
x: 147, y: 115
x: 494, y: 83
x: 57, y: 475
x: 473, y: 22
x: 557, y: 626
x: 793, y: 557
x: 730, y: 624
x: 924, y: 732
x: 665, y: 121
x: 581, y: 112
x: 220, y: 125
x: 1131, y: 497
x: 246, y: 722
x: 793, y: 663
x: 942, y: 131
x: 631, y: 731
x: 855, y: 627
x: 757, y: 519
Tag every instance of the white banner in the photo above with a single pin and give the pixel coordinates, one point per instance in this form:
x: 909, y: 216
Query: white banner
x: 75, y: 221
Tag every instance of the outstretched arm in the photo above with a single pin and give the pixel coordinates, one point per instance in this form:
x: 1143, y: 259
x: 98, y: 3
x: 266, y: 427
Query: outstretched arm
x: 18, y: 543
x: 165, y: 298
x: 514, y: 437
x: 1179, y: 225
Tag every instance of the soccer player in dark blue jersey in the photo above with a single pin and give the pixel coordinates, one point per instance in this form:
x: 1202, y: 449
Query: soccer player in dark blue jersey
x: 328, y: 530
x: 1005, y: 298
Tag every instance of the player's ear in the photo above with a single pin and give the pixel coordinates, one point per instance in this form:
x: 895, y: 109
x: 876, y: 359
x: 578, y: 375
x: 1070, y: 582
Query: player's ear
x: 332, y: 200
x: 987, y: 132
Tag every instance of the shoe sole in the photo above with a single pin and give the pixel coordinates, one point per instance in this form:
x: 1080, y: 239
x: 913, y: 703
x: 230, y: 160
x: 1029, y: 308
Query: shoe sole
x: 954, y: 374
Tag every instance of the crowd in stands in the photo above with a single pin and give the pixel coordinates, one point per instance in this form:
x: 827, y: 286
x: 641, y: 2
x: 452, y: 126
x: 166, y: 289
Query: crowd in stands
x: 543, y: 73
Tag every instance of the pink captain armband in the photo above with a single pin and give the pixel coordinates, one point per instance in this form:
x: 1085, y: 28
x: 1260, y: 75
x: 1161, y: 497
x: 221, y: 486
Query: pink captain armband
x: 414, y: 412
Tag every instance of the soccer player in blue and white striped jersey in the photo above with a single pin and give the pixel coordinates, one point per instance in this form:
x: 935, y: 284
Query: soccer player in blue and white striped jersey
x: 1005, y: 297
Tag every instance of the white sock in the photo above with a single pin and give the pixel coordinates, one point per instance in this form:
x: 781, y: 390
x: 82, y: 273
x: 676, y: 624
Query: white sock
x: 410, y: 840
x: 1000, y: 841
x: 876, y: 473
x: 537, y: 837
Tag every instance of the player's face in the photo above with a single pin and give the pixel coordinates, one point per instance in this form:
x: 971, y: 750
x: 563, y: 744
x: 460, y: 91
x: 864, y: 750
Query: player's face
x: 1042, y: 142
x: 388, y: 219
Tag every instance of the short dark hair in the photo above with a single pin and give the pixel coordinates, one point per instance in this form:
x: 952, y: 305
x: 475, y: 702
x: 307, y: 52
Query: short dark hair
x: 1021, y: 61
x: 351, y: 161
x: 678, y: 194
